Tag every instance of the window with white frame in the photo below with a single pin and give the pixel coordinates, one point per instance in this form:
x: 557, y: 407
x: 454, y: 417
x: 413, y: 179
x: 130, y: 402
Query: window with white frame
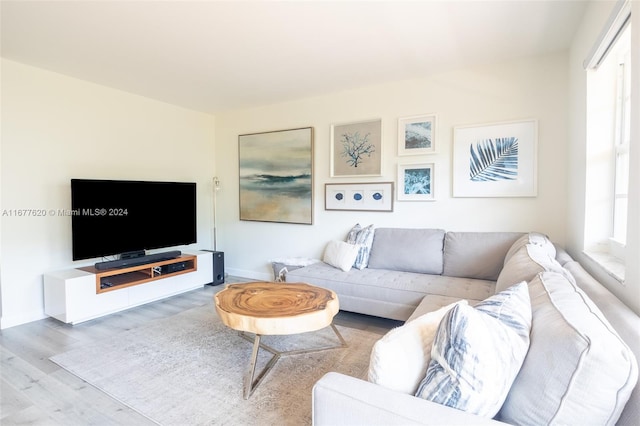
x: 622, y: 137
x: 608, y: 139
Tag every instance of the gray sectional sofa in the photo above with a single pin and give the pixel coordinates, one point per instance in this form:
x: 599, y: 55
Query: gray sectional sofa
x: 580, y: 367
x: 405, y: 265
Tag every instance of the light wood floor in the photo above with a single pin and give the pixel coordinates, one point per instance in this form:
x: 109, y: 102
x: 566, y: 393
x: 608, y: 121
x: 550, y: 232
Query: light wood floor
x: 35, y: 391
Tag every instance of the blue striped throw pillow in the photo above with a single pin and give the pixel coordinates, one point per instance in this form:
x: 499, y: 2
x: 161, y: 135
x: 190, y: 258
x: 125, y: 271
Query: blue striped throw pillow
x: 363, y: 237
x: 478, y: 352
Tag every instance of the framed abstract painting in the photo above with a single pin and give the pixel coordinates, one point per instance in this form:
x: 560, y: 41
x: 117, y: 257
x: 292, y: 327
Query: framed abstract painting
x: 276, y: 176
x: 417, y: 135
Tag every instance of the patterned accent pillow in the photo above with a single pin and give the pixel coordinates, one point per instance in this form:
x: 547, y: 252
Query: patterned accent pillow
x: 478, y: 352
x: 364, y: 238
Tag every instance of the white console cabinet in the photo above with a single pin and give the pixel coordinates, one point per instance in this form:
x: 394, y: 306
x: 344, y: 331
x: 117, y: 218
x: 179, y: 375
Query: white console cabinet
x: 77, y: 295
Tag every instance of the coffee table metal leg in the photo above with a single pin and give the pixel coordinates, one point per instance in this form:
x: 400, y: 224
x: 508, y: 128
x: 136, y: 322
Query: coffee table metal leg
x: 343, y: 343
x: 251, y: 382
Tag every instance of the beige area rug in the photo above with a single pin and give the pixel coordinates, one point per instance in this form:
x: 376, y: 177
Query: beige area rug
x: 188, y: 370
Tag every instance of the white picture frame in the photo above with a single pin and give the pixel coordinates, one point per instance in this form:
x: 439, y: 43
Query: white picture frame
x: 416, y: 182
x: 496, y: 159
x: 417, y: 135
x: 376, y: 196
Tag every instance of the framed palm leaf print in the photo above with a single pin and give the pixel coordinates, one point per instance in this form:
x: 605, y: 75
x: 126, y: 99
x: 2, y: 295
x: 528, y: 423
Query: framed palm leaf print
x: 496, y: 160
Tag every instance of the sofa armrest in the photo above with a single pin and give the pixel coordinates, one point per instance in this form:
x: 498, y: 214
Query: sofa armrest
x: 343, y: 400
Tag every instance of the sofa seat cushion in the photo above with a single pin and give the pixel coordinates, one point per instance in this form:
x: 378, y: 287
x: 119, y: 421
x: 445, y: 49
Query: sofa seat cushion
x: 433, y: 302
x: 391, y: 286
x: 477, y: 254
x: 578, y: 370
x: 477, y: 353
x: 409, y: 250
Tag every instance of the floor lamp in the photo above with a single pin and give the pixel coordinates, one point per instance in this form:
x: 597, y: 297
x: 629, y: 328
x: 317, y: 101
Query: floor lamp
x: 218, y: 256
x: 216, y: 188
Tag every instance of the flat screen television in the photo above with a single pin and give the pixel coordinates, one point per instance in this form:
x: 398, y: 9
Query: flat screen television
x: 112, y: 217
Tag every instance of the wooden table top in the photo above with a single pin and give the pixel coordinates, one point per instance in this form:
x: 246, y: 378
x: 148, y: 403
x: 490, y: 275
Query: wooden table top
x: 268, y: 308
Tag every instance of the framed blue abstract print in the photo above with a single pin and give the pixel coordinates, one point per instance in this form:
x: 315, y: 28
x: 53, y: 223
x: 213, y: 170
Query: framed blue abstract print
x: 376, y: 196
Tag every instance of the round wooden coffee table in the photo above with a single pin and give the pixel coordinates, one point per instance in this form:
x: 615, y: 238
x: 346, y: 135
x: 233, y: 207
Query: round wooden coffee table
x: 267, y: 308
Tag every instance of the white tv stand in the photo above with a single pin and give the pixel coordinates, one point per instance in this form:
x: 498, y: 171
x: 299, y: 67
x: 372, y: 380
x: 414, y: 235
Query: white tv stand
x: 80, y: 294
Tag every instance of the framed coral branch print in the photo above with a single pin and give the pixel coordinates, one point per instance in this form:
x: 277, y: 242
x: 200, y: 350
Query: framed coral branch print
x: 359, y: 196
x: 496, y: 160
x: 356, y: 149
x: 416, y: 135
x: 415, y: 182
x: 276, y: 176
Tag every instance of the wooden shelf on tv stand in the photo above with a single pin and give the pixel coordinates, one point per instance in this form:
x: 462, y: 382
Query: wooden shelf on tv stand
x: 117, y: 278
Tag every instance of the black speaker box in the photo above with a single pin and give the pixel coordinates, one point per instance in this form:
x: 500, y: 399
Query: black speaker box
x: 218, y: 268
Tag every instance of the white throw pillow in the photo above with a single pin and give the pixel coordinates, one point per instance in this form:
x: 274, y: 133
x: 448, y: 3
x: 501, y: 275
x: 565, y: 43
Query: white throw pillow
x: 478, y: 352
x: 340, y: 255
x: 399, y: 360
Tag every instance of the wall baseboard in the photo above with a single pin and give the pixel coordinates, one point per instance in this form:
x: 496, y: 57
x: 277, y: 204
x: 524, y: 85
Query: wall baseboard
x: 7, y: 322
x: 243, y: 273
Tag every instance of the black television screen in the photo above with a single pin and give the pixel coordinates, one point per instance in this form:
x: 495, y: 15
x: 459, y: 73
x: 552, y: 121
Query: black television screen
x: 111, y: 217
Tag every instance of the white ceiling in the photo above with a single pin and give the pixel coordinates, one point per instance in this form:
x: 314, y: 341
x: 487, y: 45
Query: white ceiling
x: 217, y: 55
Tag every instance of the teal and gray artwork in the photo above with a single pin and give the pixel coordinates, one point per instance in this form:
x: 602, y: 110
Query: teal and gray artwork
x: 417, y: 181
x: 417, y: 135
x: 494, y: 160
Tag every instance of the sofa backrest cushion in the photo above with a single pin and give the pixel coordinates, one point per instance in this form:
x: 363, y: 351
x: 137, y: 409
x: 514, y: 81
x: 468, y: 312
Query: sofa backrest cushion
x: 525, y: 264
x: 622, y: 318
x: 477, y: 255
x: 578, y: 370
x: 408, y: 250
x: 535, y: 238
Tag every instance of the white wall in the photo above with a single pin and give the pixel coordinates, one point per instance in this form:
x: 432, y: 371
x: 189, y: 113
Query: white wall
x: 593, y: 22
x: 55, y: 128
x: 532, y: 88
